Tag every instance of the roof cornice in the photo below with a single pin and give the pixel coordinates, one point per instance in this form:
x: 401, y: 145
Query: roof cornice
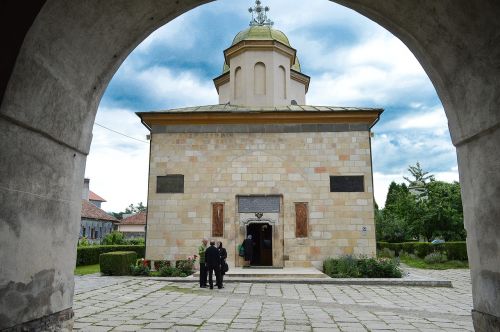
x: 369, y: 117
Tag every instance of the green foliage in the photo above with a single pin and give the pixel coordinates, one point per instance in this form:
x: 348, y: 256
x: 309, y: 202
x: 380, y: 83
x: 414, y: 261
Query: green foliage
x: 386, y: 253
x: 87, y: 269
x: 117, y: 263
x: 136, y: 241
x: 350, y: 267
x: 419, y: 263
x: 114, y: 238
x: 185, y: 266
x: 83, y: 242
x: 139, y: 270
x: 90, y: 255
x: 453, y: 250
x: 435, y: 257
x: 456, y: 250
x: 424, y: 209
x: 169, y: 271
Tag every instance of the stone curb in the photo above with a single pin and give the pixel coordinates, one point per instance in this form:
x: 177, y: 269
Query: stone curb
x: 323, y: 281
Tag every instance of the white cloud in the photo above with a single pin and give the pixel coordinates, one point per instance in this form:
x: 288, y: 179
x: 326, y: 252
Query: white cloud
x: 420, y: 119
x: 183, y: 89
x: 116, y: 165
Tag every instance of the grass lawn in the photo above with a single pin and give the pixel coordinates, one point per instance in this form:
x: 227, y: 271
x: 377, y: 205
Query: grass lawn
x: 87, y: 269
x: 421, y: 264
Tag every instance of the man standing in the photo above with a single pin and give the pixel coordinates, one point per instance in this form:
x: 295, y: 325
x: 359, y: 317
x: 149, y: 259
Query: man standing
x: 203, y: 267
x: 212, y: 260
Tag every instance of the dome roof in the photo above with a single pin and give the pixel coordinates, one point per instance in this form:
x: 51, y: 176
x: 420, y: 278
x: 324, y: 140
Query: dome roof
x: 262, y: 32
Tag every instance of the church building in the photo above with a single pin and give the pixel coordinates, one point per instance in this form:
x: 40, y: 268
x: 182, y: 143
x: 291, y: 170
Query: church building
x: 297, y: 178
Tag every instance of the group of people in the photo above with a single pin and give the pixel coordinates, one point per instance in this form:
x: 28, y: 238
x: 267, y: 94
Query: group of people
x: 212, y: 260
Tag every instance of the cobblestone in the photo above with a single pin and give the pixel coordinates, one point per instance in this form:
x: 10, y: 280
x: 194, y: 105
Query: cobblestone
x: 135, y: 304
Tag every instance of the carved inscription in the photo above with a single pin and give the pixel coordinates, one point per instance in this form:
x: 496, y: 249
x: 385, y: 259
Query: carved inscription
x: 217, y: 219
x: 253, y: 204
x: 301, y: 217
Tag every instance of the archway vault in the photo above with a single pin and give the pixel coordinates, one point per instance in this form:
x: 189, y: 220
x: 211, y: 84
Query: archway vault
x: 62, y: 55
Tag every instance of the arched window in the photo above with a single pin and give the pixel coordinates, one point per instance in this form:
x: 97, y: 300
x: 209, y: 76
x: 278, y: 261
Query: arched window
x: 259, y: 82
x: 281, y: 82
x: 238, y: 83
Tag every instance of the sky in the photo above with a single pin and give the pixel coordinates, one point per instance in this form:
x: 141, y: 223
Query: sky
x: 351, y: 60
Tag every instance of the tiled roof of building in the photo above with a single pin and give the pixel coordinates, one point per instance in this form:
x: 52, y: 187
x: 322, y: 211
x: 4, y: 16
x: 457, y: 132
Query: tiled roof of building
x: 90, y: 211
x: 94, y: 197
x: 250, y: 109
x: 136, y: 219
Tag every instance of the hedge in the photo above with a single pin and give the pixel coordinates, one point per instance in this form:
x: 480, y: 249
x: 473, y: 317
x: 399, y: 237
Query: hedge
x: 117, y: 263
x: 454, y: 250
x: 90, y: 255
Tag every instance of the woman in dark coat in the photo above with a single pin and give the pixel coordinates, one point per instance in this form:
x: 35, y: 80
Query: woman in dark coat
x: 223, y: 256
x: 248, y: 245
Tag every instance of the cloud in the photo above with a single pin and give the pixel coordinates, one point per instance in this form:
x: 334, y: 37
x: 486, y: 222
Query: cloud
x: 116, y: 165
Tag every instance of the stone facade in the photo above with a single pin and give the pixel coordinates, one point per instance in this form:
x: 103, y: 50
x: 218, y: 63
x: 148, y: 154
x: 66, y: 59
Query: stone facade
x: 219, y: 167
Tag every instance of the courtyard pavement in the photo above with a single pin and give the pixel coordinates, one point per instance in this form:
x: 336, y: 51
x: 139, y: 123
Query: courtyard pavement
x: 142, y: 304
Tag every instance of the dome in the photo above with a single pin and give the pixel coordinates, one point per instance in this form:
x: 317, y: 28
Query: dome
x: 262, y: 32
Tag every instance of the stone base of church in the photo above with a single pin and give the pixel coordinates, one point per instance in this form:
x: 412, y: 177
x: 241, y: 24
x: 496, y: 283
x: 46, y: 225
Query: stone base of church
x: 59, y: 321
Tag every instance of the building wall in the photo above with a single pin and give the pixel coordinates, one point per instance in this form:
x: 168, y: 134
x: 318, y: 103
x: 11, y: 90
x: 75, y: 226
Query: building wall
x: 131, y: 228
x: 103, y: 228
x: 218, y: 167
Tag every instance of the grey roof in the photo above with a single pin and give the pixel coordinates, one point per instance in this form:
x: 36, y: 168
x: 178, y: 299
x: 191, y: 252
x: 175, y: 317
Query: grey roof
x: 245, y: 109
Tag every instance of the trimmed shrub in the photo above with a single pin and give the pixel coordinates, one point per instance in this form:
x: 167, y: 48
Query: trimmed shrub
x: 435, y: 257
x: 454, y: 250
x: 117, y: 263
x: 90, y: 255
x: 350, y: 267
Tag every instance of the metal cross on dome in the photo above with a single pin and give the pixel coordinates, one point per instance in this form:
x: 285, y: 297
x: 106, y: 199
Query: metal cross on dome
x: 259, y: 14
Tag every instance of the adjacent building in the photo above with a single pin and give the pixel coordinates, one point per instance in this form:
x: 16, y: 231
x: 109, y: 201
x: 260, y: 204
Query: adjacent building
x: 95, y: 222
x: 297, y: 178
x: 133, y: 226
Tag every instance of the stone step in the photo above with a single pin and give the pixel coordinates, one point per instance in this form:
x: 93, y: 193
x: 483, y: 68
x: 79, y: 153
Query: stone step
x: 272, y: 273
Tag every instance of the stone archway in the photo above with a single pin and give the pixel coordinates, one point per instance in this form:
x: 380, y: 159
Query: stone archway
x: 61, y: 56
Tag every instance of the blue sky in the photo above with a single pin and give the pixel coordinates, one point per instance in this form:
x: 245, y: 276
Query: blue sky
x: 351, y: 60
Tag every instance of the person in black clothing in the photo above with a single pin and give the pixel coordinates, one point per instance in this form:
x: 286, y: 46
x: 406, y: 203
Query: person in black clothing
x: 212, y: 261
x: 223, y: 256
x: 248, y: 245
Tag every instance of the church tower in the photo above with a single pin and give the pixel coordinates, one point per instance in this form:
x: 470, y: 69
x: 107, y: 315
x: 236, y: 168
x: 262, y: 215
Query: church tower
x: 261, y: 68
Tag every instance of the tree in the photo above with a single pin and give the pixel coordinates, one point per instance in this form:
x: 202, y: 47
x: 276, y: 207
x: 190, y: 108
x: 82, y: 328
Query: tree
x: 433, y: 210
x: 131, y: 209
x: 418, y: 186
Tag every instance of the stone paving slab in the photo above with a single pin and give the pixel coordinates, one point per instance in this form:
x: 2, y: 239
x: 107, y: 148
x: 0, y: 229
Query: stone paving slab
x: 143, y: 304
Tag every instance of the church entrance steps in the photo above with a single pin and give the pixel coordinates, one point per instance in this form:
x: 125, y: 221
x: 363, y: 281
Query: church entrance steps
x: 314, y: 276
x: 269, y: 272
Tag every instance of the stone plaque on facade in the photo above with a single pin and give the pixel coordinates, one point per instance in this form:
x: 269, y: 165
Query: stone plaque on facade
x: 170, y: 183
x: 347, y: 183
x: 250, y: 204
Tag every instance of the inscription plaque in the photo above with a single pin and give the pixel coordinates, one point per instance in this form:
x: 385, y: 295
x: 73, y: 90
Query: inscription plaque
x: 252, y: 204
x: 347, y: 183
x: 170, y: 184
